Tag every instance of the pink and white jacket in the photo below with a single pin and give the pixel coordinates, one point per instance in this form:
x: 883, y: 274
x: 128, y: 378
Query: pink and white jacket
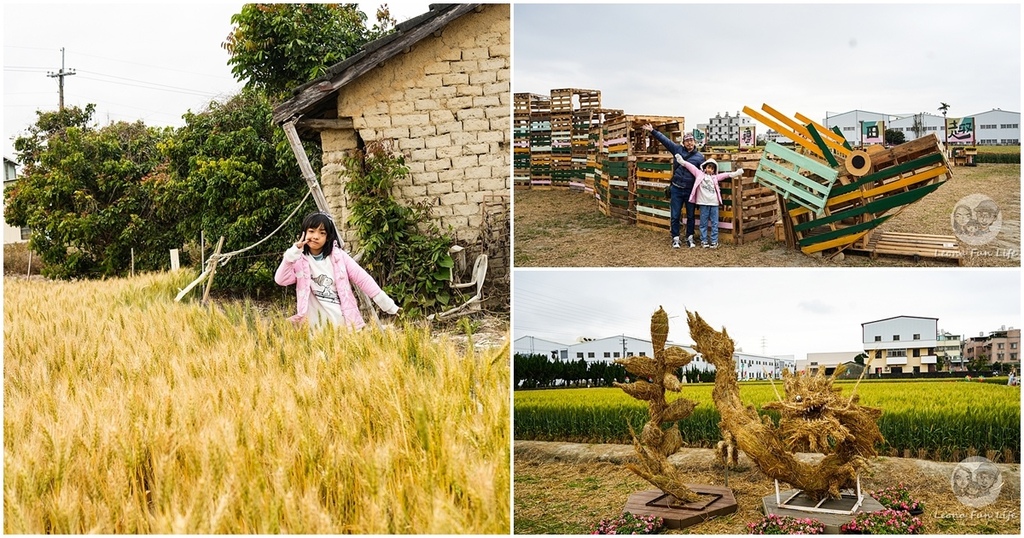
x: 346, y: 271
x: 699, y: 174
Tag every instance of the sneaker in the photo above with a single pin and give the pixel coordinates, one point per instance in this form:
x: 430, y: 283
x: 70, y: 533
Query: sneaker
x: 714, y: 245
x: 689, y: 241
x: 675, y: 242
x: 704, y: 244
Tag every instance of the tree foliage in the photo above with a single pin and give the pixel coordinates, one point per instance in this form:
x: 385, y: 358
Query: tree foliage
x: 230, y: 172
x: 276, y: 47
x: 87, y: 194
x: 894, y: 137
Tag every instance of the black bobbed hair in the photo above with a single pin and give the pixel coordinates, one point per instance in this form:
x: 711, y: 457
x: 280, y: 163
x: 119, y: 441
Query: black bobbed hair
x: 316, y: 220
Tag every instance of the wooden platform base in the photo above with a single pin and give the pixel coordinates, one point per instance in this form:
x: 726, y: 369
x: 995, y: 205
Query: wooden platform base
x: 720, y: 501
x: 832, y: 522
x: 940, y: 247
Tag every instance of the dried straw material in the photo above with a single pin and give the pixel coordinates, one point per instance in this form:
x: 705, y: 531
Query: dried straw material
x: 654, y: 444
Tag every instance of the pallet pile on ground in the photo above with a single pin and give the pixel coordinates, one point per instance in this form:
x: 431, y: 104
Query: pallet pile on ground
x: 834, y: 196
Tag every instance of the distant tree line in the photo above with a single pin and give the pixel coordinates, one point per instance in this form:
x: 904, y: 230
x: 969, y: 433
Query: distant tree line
x: 534, y: 371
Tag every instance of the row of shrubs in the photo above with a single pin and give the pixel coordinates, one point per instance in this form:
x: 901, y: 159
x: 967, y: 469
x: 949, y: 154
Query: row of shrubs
x: 997, y: 158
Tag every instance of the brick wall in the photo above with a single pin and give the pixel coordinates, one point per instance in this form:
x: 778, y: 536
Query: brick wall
x: 446, y: 105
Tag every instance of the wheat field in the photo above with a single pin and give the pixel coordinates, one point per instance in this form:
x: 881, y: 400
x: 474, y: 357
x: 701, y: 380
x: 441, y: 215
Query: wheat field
x: 125, y: 412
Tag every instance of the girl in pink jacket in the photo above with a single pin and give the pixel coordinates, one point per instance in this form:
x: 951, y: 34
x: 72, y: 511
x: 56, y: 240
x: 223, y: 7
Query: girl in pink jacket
x: 323, y: 275
x: 707, y: 195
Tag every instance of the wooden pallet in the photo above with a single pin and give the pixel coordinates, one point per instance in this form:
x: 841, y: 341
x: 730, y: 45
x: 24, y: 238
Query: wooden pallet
x: 943, y: 247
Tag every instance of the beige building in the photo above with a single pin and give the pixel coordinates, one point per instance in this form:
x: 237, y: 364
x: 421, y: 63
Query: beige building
x: 437, y: 91
x: 1002, y: 346
x: 901, y: 344
x: 826, y: 362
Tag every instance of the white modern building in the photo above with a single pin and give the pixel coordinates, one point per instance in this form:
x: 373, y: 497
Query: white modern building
x: 901, y: 344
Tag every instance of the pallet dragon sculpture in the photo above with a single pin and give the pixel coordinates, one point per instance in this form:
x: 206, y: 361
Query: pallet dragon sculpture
x: 833, y: 196
x: 814, y: 417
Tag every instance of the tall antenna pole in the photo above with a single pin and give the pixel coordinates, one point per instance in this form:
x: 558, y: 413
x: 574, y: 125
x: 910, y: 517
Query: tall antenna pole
x: 60, y: 77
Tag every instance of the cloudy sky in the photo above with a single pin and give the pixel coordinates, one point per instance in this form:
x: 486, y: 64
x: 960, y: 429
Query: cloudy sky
x: 135, y: 60
x: 699, y: 60
x: 789, y: 311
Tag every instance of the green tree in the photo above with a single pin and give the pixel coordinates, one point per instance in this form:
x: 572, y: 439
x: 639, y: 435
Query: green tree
x: 87, y: 194
x: 859, y: 359
x: 230, y: 172
x: 276, y: 47
x: 894, y: 137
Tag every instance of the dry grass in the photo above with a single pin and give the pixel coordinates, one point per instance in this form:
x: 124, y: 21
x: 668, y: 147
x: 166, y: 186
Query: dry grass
x: 557, y: 228
x: 567, y: 489
x: 125, y: 412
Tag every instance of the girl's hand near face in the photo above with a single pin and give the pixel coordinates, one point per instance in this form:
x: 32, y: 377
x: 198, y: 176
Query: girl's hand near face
x: 301, y: 242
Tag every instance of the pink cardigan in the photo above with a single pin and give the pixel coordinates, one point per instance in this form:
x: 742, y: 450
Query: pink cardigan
x: 700, y: 175
x: 346, y: 272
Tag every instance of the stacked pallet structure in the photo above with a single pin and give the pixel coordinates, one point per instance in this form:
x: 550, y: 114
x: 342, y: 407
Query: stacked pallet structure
x: 540, y: 140
x: 834, y: 197
x: 521, y: 131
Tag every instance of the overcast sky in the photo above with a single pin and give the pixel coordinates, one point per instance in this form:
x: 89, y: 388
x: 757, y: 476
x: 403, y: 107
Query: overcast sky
x: 794, y: 311
x: 699, y: 60
x: 136, y: 61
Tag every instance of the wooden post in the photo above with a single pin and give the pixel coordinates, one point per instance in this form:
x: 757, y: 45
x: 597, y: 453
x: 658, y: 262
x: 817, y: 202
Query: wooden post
x: 175, y: 263
x: 305, y: 167
x: 133, y: 261
x: 29, y: 263
x: 214, y: 259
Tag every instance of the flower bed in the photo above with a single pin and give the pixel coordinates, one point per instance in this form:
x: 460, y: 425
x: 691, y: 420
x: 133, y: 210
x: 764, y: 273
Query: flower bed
x: 886, y: 521
x: 776, y: 524
x: 628, y: 523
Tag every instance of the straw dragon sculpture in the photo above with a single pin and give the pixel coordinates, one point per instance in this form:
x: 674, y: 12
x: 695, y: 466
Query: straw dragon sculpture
x: 814, y: 417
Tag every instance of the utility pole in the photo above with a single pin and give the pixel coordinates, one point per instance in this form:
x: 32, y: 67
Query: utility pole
x: 60, y: 77
x: 623, y: 346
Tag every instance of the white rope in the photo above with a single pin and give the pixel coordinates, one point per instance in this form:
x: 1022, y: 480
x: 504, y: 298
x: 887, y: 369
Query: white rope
x: 225, y: 257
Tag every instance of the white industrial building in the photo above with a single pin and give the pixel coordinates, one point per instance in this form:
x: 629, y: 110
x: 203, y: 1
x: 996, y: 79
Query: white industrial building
x: 748, y: 365
x: 994, y: 127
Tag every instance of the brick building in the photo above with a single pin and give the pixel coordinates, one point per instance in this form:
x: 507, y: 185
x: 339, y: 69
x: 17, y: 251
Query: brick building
x: 438, y: 90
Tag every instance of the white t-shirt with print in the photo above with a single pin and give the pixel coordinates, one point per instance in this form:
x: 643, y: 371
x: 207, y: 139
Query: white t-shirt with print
x: 324, y: 303
x: 706, y: 194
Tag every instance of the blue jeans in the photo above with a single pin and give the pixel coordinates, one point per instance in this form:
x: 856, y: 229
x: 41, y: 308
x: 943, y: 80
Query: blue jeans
x: 679, y: 198
x: 709, y: 218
